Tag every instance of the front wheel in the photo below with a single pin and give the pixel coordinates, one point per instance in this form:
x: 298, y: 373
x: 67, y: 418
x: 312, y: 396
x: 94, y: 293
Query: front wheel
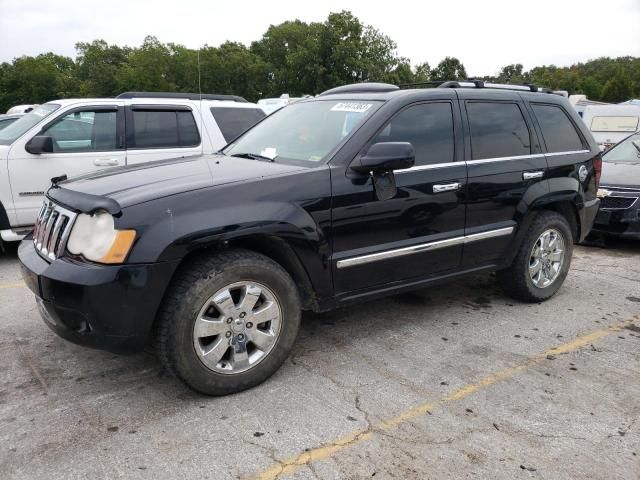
x: 542, y: 262
x: 228, y: 322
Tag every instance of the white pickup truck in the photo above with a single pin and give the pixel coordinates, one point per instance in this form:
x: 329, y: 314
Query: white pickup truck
x: 74, y: 136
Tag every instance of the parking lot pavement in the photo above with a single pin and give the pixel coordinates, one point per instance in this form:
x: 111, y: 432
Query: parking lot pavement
x: 457, y: 381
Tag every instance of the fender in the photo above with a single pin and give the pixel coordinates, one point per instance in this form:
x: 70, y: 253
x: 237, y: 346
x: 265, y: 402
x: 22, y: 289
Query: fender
x: 552, y: 194
x: 171, y: 229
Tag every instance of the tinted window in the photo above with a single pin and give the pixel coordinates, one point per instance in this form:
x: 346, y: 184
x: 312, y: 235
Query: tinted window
x: 84, y: 131
x: 234, y: 121
x: 497, y: 130
x: 164, y: 129
x: 428, y: 127
x: 5, y: 122
x: 559, y: 133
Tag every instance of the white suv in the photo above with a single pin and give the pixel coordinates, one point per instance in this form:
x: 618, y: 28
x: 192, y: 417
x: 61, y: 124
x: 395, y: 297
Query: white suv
x: 74, y: 136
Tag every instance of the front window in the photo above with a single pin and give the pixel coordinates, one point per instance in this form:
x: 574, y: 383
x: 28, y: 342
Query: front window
x: 614, y: 124
x: 627, y: 151
x: 24, y: 124
x: 303, y: 132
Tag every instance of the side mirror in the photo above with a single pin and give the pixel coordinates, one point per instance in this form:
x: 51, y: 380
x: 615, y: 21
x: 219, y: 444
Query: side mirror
x: 40, y: 144
x: 386, y: 157
x: 636, y: 143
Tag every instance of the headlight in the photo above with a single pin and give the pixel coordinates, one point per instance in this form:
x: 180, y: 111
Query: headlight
x: 96, y: 238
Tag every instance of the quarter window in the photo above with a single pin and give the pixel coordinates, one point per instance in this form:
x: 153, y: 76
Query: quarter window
x: 84, y: 131
x: 428, y: 127
x: 164, y: 129
x: 557, y: 129
x: 497, y: 130
x: 235, y: 121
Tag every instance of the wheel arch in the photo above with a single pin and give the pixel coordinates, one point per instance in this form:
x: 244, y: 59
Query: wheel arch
x: 5, y: 224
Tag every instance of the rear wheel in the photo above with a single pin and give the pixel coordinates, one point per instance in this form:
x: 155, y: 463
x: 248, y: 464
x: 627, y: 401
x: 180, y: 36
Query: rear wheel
x: 542, y: 262
x: 228, y: 322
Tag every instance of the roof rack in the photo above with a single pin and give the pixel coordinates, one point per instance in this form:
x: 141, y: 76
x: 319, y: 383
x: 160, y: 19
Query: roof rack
x: 187, y: 96
x: 364, y: 87
x: 475, y: 83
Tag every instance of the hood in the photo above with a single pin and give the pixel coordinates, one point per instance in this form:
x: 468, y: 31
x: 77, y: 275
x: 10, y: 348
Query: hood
x: 139, y: 183
x: 621, y: 174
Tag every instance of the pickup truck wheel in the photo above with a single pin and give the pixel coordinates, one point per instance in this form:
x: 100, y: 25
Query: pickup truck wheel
x: 542, y: 262
x: 228, y: 322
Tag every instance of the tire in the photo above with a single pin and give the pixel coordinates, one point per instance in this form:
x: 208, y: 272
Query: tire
x: 517, y: 280
x: 192, y: 328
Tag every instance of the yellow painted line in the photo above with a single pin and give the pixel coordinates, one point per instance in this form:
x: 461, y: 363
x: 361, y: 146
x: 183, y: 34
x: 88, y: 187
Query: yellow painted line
x: 326, y: 451
x: 12, y: 285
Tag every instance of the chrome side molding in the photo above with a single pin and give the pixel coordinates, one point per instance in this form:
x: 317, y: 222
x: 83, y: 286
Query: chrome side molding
x: 423, y: 247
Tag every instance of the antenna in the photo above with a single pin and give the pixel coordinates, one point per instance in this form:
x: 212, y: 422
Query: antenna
x: 200, y: 94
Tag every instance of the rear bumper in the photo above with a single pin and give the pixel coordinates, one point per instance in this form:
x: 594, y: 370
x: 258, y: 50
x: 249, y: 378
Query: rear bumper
x: 588, y: 214
x: 105, y: 307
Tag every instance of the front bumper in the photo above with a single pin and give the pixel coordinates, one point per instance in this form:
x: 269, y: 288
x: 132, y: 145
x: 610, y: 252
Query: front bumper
x: 106, y: 307
x: 619, y: 223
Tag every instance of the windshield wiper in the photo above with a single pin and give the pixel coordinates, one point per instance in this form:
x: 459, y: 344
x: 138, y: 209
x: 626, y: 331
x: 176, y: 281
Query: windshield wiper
x: 253, y: 156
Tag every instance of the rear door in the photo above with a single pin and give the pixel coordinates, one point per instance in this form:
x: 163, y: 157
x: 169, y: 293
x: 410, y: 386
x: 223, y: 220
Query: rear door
x: 84, y: 139
x: 158, y: 132
x: 504, y: 160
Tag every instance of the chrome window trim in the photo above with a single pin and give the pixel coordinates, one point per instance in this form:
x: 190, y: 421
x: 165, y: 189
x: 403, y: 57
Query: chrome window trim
x: 505, y: 159
x: 487, y: 160
x: 423, y: 247
x: 572, y: 152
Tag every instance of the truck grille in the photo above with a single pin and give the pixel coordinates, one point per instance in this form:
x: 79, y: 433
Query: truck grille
x: 617, y: 203
x: 52, y: 230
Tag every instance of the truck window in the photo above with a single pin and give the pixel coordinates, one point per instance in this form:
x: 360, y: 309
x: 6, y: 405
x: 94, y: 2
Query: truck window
x: 235, y: 121
x: 558, y: 131
x: 84, y: 131
x: 428, y: 127
x: 169, y: 128
x: 497, y: 130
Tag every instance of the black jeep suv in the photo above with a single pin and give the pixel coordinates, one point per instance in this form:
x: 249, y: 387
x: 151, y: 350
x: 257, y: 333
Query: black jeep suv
x: 363, y: 191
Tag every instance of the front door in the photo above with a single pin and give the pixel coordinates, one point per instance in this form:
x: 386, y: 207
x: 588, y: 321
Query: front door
x: 420, y: 231
x: 84, y: 139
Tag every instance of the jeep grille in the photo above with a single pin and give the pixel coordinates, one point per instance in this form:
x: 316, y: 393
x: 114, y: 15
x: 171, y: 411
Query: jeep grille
x: 52, y: 230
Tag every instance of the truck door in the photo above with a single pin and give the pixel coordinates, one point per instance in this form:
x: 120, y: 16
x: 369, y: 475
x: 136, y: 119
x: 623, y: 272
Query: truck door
x: 84, y: 138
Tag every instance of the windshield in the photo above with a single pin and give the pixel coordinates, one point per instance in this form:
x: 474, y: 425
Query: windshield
x: 626, y: 151
x: 24, y: 124
x: 303, y: 132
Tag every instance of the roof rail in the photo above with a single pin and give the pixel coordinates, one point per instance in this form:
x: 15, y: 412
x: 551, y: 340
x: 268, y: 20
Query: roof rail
x: 364, y: 87
x: 187, y: 96
x: 476, y: 83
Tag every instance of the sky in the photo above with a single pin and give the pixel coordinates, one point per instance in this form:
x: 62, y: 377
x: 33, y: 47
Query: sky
x: 485, y: 35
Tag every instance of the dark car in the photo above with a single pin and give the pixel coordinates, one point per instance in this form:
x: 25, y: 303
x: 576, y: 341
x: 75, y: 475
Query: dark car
x: 620, y: 190
x: 364, y: 191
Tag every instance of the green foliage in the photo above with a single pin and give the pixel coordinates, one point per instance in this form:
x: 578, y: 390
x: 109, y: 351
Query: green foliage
x: 293, y: 57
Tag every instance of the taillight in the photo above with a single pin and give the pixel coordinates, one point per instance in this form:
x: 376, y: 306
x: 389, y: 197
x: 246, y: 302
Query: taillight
x: 597, y: 170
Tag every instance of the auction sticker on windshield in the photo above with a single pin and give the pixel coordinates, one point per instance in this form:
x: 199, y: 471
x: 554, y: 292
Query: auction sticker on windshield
x: 351, y: 107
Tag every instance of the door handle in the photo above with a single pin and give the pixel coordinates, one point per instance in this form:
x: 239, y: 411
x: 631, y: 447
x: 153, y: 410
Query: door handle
x: 532, y: 175
x: 446, y: 187
x: 106, y: 162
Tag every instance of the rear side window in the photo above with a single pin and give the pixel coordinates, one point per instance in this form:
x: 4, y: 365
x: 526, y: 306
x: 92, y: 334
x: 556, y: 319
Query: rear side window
x: 428, y: 127
x: 497, y: 130
x: 163, y: 129
x: 235, y: 121
x: 558, y: 131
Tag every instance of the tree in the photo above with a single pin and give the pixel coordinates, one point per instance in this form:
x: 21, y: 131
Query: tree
x: 450, y: 68
x: 97, y: 65
x: 617, y: 89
